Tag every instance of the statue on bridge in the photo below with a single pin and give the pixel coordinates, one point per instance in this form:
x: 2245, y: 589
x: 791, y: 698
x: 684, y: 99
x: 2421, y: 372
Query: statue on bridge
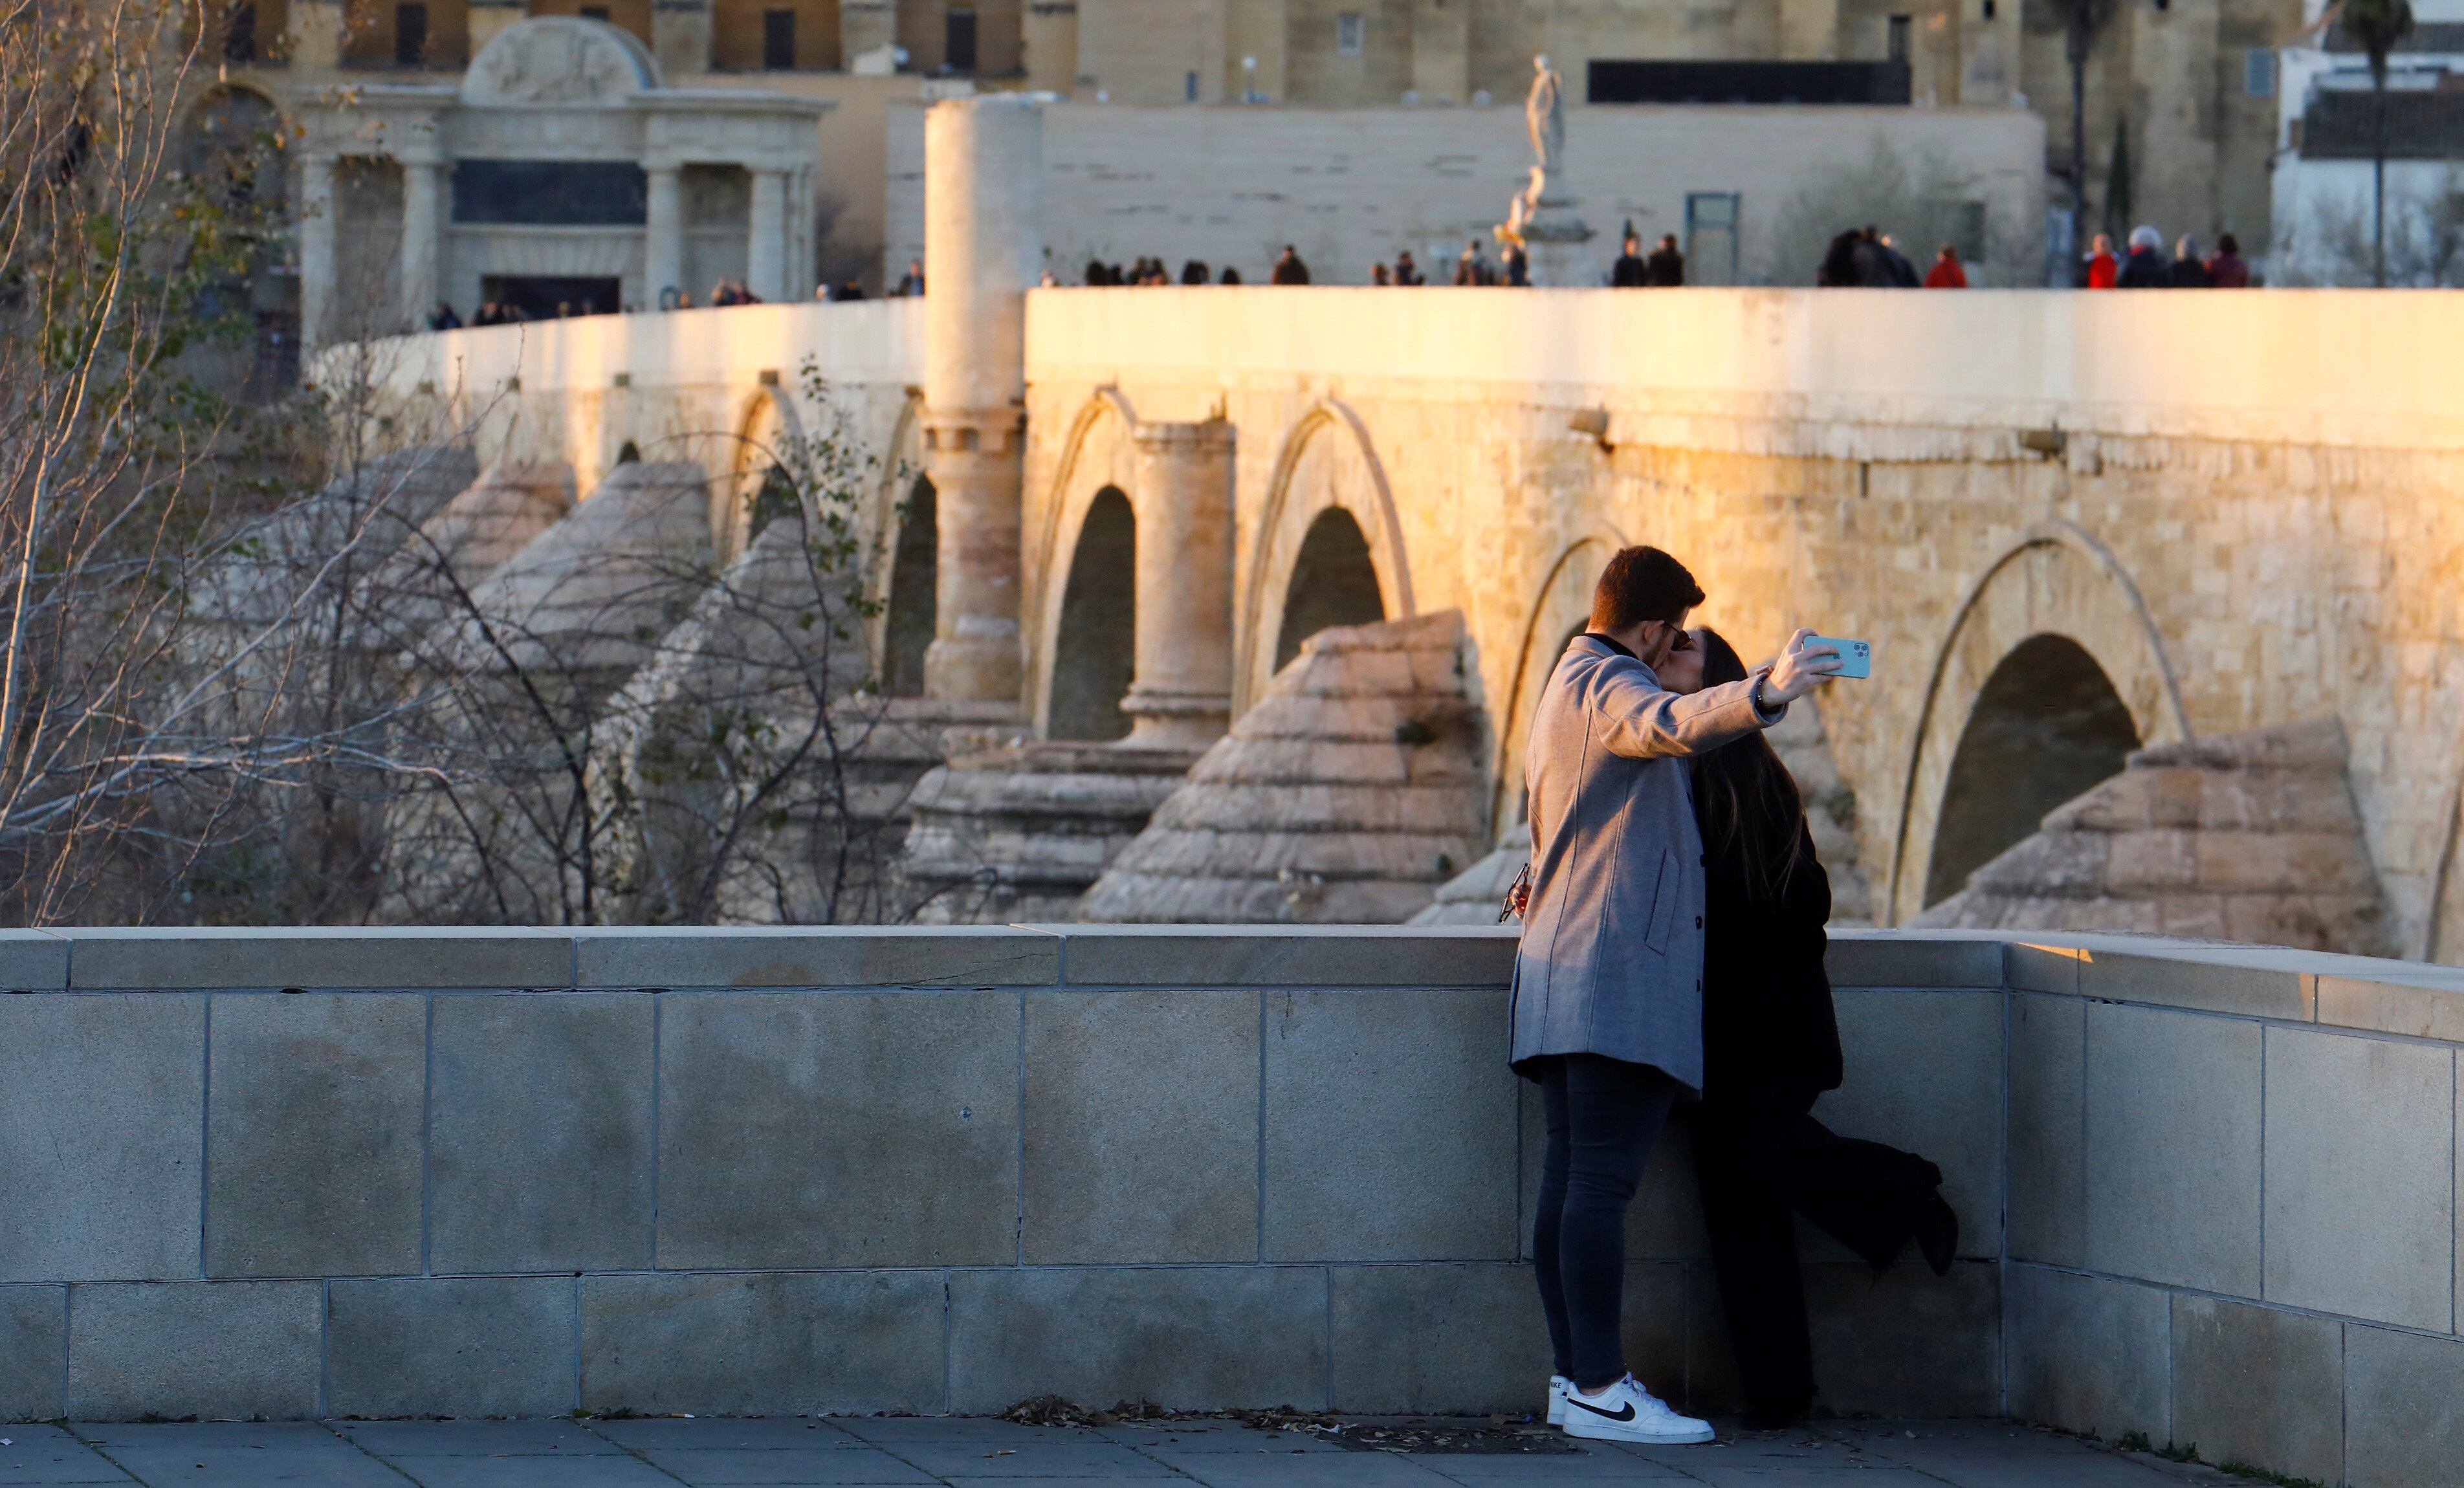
x: 1544, y: 116
x: 1541, y: 218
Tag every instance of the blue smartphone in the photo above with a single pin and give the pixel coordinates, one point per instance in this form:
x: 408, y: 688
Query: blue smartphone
x: 1855, y: 657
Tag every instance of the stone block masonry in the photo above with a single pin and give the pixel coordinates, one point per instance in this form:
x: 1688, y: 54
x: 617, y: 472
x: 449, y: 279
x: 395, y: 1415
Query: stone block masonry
x: 783, y: 1171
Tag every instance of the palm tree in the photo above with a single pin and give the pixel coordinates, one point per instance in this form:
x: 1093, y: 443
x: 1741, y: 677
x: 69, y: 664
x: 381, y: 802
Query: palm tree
x: 2378, y: 25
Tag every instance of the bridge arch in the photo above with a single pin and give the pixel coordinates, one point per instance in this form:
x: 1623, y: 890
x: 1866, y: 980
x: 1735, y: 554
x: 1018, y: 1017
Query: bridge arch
x: 2056, y: 580
x: 1099, y: 454
x: 1326, y: 461
x: 1560, y: 610
x: 767, y: 428
x: 1094, y: 653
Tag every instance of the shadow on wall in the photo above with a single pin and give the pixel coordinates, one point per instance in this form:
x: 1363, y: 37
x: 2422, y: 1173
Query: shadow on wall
x: 915, y: 569
x: 1334, y: 583
x: 2046, y: 728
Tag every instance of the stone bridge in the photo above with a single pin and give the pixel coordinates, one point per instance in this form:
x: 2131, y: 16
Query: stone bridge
x: 2074, y: 526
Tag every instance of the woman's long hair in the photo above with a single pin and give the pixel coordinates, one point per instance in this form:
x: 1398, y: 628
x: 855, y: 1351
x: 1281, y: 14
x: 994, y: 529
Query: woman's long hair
x: 1745, y: 800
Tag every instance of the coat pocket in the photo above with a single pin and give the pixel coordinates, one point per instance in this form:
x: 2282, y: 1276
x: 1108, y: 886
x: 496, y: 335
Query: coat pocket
x: 1664, y: 905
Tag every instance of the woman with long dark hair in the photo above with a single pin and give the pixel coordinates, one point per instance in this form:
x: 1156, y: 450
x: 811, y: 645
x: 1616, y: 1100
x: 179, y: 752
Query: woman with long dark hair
x: 1771, y: 1045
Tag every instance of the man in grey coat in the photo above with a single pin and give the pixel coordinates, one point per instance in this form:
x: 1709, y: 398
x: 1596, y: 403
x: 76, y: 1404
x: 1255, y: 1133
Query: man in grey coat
x: 1608, y: 980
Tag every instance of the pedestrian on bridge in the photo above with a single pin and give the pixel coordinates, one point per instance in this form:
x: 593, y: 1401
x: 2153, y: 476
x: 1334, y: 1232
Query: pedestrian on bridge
x: 1608, y: 979
x: 1770, y: 1046
x: 1946, y: 273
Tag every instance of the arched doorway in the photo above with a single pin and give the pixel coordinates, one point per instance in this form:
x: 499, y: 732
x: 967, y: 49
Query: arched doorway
x: 2047, y: 725
x: 907, y: 629
x: 1334, y: 583
x: 1095, y: 655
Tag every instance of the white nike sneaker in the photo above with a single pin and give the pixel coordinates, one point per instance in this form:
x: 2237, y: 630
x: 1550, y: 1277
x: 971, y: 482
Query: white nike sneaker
x: 1627, y: 1412
x: 1558, y: 1388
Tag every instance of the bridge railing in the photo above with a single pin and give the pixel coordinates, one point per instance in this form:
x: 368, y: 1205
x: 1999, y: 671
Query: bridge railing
x: 862, y: 342
x: 2362, y: 368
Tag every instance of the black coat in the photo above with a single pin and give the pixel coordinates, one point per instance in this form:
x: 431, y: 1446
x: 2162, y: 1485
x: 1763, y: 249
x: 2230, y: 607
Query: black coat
x: 2144, y: 270
x: 1767, y: 1014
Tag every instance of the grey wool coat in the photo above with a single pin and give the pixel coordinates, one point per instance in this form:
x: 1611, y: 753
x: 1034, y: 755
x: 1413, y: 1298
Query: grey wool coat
x: 1611, y: 960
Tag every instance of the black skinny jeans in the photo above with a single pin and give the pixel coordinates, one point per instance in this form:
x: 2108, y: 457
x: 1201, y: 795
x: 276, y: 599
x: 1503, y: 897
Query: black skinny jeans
x: 1603, y: 1116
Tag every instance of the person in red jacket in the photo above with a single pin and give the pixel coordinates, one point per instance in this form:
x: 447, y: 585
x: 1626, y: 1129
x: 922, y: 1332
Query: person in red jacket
x: 1946, y: 272
x: 2102, y: 268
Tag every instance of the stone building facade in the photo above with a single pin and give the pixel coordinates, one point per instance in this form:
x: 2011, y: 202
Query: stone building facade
x: 2331, y: 134
x: 2181, y: 96
x: 1751, y: 193
x: 562, y: 170
x: 2185, y: 86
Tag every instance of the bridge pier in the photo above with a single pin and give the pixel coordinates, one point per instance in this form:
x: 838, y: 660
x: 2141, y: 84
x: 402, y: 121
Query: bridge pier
x: 983, y: 246
x: 1180, y: 692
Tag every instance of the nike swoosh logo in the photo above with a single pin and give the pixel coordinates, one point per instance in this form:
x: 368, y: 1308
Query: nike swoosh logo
x: 1623, y: 1413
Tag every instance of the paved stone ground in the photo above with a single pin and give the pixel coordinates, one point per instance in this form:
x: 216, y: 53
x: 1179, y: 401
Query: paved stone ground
x: 971, y: 1453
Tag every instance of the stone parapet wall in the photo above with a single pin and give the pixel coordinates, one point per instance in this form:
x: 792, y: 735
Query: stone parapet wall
x: 297, y: 1173
x: 1862, y: 374
x: 2233, y: 1204
x: 690, y: 385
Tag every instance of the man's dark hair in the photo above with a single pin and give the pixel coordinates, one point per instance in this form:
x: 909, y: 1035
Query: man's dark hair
x: 1639, y: 584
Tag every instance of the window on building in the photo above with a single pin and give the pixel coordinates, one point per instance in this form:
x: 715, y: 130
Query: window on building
x: 1965, y: 223
x: 958, y: 40
x: 1351, y: 34
x: 1903, y: 28
x: 1988, y: 10
x: 1189, y: 88
x: 779, y: 40
x: 239, y: 33
x: 594, y: 13
x: 542, y: 194
x: 409, y: 34
x: 2259, y: 73
x: 1711, y: 237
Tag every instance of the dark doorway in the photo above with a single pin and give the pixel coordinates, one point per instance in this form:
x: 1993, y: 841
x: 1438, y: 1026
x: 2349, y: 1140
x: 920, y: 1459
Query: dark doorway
x: 915, y: 568
x: 958, y: 42
x: 538, y: 296
x: 1092, y: 660
x: 779, y: 41
x: 1334, y: 583
x: 2047, y: 726
x: 410, y: 36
